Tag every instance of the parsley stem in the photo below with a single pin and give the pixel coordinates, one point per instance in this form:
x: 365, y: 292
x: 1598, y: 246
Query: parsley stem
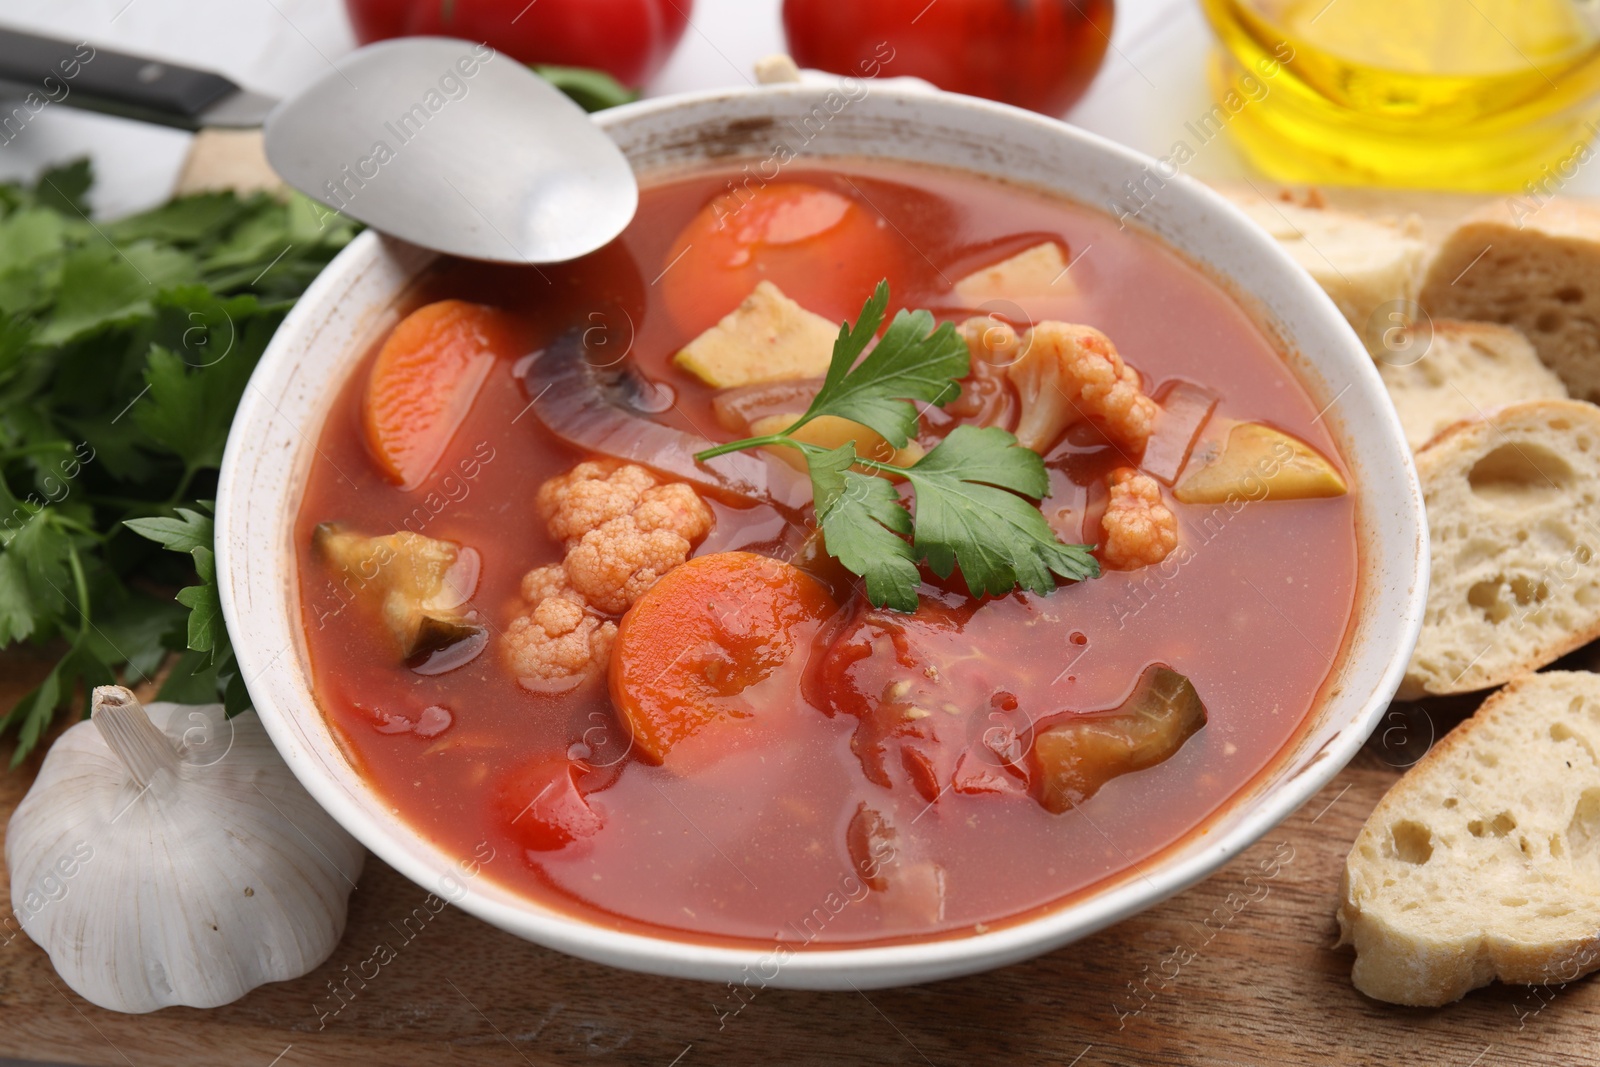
x: 73, y: 524
x: 33, y: 450
x: 82, y: 585
x: 740, y: 446
x: 182, y: 490
x: 782, y: 439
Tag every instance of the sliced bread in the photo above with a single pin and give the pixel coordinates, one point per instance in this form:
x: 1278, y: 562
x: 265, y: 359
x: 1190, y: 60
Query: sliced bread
x: 1539, y: 271
x: 1469, y: 368
x: 1364, y: 264
x: 1483, y: 862
x: 1513, y: 505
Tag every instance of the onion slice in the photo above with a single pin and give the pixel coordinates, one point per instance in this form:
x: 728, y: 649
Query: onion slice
x: 738, y: 408
x: 1185, y: 407
x: 595, y: 402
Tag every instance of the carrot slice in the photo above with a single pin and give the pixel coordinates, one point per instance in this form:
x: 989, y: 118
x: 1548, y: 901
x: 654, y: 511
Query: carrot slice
x: 688, y: 650
x: 424, y: 381
x: 825, y: 251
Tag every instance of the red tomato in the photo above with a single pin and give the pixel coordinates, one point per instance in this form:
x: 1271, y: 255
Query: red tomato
x: 825, y: 251
x: 1038, y: 54
x: 628, y: 39
x: 541, y: 807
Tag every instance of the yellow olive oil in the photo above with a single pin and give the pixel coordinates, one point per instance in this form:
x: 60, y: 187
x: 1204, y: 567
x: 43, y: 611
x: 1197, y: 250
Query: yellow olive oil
x: 1464, y: 94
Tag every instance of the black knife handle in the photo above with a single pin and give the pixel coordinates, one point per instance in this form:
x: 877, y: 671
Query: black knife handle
x: 86, y: 76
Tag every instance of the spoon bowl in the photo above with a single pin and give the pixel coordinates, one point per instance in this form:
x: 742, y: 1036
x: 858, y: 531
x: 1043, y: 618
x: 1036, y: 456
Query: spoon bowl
x: 453, y: 146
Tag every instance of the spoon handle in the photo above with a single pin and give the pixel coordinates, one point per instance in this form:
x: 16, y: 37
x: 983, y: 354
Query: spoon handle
x: 44, y: 70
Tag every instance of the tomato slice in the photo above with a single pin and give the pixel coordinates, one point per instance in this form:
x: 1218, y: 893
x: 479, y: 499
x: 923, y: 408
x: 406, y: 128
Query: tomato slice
x: 934, y: 710
x: 542, y: 808
x: 825, y: 251
x: 423, y: 383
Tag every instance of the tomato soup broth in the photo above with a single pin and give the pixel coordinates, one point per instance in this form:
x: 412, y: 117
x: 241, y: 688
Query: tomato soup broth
x: 756, y: 834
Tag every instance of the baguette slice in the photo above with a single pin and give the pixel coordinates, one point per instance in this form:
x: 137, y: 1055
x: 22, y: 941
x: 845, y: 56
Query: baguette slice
x: 1513, y: 505
x: 1362, y: 263
x: 1483, y: 862
x: 1538, y: 271
x: 1469, y: 368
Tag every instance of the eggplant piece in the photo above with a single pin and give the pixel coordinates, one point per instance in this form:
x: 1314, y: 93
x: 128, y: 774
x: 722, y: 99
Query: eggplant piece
x: 1074, y: 758
x: 444, y: 642
x: 417, y: 584
x: 767, y: 338
x: 599, y: 405
x: 811, y: 555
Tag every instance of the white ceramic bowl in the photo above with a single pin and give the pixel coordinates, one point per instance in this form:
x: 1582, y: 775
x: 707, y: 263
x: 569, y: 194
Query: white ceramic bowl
x: 273, y: 441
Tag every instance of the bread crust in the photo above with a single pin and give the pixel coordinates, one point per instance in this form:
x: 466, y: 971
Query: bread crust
x: 1480, y: 863
x: 1538, y: 271
x: 1364, y: 264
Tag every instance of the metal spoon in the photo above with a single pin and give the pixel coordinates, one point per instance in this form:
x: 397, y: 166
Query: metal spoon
x: 444, y: 143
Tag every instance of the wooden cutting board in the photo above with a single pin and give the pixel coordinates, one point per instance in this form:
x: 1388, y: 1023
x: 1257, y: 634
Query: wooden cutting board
x: 1229, y: 972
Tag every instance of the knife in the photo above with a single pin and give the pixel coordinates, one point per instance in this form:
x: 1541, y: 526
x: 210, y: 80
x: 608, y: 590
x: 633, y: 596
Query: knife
x: 134, y: 87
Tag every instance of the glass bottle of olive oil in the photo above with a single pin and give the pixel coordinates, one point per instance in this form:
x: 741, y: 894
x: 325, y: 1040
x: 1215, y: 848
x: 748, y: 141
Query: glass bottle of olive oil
x: 1463, y: 94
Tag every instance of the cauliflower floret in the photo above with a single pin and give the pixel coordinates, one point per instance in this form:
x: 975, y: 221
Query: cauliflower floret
x: 991, y: 341
x: 1140, y: 530
x: 558, y: 643
x: 596, y: 492
x: 590, y: 495
x: 614, y: 565
x: 548, y: 581
x: 675, y: 507
x: 1065, y: 373
x: 623, y: 531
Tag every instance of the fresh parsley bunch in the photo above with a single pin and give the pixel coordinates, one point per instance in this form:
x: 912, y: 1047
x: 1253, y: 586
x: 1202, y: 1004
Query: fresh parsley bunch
x: 124, y: 350
x: 970, y: 513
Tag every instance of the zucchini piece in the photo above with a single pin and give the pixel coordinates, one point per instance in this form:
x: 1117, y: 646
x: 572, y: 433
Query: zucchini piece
x: 417, y: 584
x: 1076, y: 757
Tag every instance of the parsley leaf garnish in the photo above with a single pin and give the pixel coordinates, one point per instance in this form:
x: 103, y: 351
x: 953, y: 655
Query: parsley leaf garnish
x: 970, y: 516
x: 192, y: 533
x: 185, y: 532
x: 912, y: 362
x: 973, y: 491
x: 125, y: 347
x: 865, y: 526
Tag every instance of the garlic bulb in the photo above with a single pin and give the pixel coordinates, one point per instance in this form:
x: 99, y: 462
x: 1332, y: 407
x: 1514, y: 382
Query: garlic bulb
x: 166, y: 855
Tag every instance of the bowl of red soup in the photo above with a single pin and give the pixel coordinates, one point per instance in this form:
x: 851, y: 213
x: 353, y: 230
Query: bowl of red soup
x: 928, y: 534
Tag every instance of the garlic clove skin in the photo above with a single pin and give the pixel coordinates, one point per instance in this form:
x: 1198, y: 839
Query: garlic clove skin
x: 188, y: 869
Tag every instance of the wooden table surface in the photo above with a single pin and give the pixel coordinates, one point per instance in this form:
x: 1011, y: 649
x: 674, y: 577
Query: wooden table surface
x: 1225, y: 973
